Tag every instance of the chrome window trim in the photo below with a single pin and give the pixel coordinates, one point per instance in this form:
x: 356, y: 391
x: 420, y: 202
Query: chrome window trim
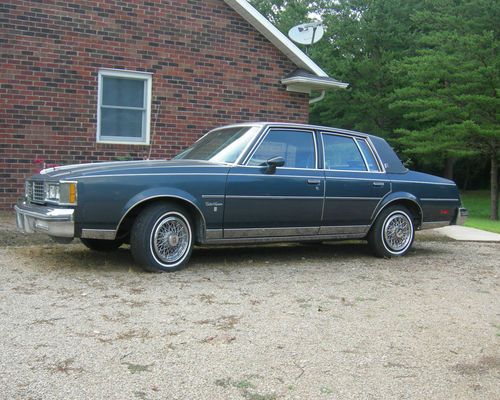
x: 266, y: 133
x: 283, y: 168
x: 381, y: 165
x: 353, y: 137
x: 370, y: 149
x: 361, y: 152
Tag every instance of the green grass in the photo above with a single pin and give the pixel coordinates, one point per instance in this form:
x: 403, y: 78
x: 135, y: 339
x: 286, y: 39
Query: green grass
x: 478, y: 204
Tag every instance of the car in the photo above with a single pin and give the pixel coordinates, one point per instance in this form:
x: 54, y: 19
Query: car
x: 245, y: 183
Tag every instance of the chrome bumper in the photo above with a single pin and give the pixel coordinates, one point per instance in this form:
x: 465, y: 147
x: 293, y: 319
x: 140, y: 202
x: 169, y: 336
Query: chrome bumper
x: 53, y: 221
x: 462, y: 215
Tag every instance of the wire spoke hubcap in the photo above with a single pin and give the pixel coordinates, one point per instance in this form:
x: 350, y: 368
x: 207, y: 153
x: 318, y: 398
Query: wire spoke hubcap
x: 397, y: 232
x: 171, y: 239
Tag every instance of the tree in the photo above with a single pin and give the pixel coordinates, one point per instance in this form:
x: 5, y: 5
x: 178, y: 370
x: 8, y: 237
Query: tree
x: 361, y: 40
x: 422, y: 73
x: 450, y: 94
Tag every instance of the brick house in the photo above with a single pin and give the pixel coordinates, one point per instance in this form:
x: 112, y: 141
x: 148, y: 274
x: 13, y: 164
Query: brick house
x: 91, y: 81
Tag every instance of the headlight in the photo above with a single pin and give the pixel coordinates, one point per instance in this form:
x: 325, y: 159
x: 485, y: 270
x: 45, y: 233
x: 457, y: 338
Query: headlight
x: 63, y: 192
x: 52, y: 192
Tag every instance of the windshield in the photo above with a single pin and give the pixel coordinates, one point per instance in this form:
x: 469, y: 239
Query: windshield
x: 223, y: 145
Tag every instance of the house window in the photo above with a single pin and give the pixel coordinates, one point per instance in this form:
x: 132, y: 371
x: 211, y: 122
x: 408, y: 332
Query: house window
x: 124, y: 107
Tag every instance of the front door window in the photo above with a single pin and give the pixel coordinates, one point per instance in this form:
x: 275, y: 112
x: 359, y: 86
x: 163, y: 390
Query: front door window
x: 296, y: 148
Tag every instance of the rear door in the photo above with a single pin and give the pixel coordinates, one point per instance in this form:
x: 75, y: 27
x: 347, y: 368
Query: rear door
x: 355, y: 184
x: 287, y: 202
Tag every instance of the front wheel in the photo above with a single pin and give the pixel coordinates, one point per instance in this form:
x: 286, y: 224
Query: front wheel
x: 392, y: 233
x: 162, y: 238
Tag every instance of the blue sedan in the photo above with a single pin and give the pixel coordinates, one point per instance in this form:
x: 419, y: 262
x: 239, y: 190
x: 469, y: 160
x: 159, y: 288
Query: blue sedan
x: 244, y: 183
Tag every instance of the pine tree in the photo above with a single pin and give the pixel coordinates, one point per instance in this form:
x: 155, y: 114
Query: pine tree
x: 450, y: 96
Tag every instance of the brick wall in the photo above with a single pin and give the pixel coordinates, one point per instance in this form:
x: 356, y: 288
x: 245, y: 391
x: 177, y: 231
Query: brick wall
x: 210, y: 67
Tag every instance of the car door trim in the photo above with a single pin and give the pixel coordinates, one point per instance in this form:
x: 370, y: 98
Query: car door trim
x: 347, y: 229
x: 270, y: 232
x: 275, y: 197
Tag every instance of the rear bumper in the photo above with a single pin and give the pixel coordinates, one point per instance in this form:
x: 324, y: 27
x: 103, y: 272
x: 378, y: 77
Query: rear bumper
x: 57, y: 222
x: 461, y: 216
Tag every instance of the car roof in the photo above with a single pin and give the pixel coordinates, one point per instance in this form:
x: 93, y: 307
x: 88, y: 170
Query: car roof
x: 297, y: 125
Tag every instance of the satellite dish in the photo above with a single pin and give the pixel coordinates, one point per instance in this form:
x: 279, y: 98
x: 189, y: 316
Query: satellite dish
x: 309, y: 33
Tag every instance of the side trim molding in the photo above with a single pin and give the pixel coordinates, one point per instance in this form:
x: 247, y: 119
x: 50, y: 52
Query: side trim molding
x: 104, y: 234
x: 269, y: 232
x: 349, y: 229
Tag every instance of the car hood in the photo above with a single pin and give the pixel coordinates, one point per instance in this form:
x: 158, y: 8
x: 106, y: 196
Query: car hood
x: 126, y: 167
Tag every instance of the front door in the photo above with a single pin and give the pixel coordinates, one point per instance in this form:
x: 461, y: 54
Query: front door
x: 287, y: 202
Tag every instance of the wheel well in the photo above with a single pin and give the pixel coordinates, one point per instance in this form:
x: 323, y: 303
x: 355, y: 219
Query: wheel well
x: 196, y: 217
x: 414, y: 208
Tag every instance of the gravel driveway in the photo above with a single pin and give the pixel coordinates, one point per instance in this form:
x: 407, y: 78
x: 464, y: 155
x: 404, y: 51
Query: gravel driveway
x: 279, y: 322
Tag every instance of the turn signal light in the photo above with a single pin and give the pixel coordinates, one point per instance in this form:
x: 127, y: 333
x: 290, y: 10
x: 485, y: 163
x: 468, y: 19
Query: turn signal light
x: 72, y: 193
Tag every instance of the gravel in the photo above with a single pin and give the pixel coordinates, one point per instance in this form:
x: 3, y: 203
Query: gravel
x: 257, y: 323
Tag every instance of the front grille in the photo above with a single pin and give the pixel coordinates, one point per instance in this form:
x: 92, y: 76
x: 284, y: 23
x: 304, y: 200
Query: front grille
x: 35, y: 191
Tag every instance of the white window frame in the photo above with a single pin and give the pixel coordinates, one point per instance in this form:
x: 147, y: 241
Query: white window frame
x: 144, y: 76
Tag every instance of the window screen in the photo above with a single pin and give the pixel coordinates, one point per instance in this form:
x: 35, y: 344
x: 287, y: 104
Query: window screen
x: 296, y: 147
x: 341, y: 153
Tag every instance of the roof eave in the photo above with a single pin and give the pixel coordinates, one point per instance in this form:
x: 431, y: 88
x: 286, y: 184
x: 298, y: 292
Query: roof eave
x: 259, y: 22
x: 306, y: 85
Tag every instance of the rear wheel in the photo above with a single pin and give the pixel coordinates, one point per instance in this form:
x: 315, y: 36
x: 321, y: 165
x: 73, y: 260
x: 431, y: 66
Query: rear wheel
x: 102, y: 245
x: 392, y: 233
x: 162, y: 238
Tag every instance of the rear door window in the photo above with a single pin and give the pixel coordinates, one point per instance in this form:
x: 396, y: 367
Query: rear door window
x: 342, y: 153
x: 368, y: 154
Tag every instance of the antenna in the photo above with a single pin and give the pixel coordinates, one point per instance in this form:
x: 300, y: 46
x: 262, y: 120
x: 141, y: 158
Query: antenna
x: 308, y: 33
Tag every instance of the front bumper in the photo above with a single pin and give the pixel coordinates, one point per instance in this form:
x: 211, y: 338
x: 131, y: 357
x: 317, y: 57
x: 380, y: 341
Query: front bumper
x: 57, y: 222
x: 461, y: 216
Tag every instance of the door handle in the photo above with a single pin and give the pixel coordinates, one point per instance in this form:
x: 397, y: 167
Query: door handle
x: 378, y: 184
x: 313, y: 181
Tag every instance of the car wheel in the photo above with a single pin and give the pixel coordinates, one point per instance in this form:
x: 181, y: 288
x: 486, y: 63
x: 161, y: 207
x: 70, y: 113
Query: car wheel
x: 162, y: 238
x: 102, y: 245
x: 392, y: 233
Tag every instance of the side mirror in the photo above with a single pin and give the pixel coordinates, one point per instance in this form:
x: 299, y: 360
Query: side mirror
x: 273, y: 163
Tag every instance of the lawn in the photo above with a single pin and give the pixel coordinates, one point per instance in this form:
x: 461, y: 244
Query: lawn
x: 478, y: 204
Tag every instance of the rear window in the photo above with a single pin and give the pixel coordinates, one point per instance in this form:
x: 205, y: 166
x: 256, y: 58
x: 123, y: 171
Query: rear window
x: 342, y: 153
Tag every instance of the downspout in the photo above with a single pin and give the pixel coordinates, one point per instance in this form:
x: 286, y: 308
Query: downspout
x: 319, y: 98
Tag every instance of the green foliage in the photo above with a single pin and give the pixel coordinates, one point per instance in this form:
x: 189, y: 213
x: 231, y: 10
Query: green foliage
x: 449, y: 91
x: 423, y: 73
